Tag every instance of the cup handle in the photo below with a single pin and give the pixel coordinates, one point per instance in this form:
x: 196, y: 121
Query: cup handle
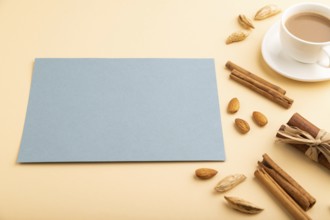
x: 326, y: 51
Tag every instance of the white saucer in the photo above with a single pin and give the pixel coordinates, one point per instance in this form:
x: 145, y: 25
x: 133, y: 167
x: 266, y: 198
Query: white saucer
x: 283, y: 64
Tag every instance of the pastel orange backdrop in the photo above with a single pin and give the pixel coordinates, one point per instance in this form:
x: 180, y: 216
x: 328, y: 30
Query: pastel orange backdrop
x: 149, y: 28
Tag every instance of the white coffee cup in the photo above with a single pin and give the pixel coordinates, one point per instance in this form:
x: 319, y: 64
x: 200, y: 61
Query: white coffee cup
x: 305, y: 51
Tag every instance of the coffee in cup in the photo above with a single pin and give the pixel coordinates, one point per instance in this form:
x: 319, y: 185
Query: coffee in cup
x: 305, y: 32
x: 309, y: 26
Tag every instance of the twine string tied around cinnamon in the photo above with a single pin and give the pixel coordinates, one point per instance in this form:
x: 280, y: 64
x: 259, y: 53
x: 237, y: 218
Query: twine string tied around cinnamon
x: 318, y: 145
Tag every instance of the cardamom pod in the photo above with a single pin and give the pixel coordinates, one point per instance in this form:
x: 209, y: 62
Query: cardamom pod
x: 245, y: 22
x: 229, y: 182
x: 267, y: 11
x: 243, y: 205
x: 237, y: 36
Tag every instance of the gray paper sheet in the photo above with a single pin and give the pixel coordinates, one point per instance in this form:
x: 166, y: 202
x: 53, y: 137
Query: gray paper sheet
x: 122, y: 110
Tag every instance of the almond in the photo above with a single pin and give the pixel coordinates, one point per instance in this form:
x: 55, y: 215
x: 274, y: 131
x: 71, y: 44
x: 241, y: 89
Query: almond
x: 242, y: 125
x: 233, y: 105
x: 205, y: 173
x: 259, y: 118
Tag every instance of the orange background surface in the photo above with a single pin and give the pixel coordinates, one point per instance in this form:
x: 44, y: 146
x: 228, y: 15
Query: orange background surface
x: 149, y: 28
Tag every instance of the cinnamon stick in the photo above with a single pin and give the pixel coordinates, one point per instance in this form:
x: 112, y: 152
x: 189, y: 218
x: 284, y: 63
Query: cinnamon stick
x: 287, y: 202
x: 288, y: 188
x: 300, y: 122
x: 231, y: 66
x: 260, y: 88
x: 290, y: 185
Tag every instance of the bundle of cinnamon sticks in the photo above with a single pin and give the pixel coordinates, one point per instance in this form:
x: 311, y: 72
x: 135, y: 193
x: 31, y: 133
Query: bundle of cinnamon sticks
x: 292, y: 196
x: 259, y: 85
x: 300, y: 122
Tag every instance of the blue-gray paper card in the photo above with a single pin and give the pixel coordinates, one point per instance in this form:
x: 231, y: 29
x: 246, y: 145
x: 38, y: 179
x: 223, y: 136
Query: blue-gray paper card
x: 122, y: 110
